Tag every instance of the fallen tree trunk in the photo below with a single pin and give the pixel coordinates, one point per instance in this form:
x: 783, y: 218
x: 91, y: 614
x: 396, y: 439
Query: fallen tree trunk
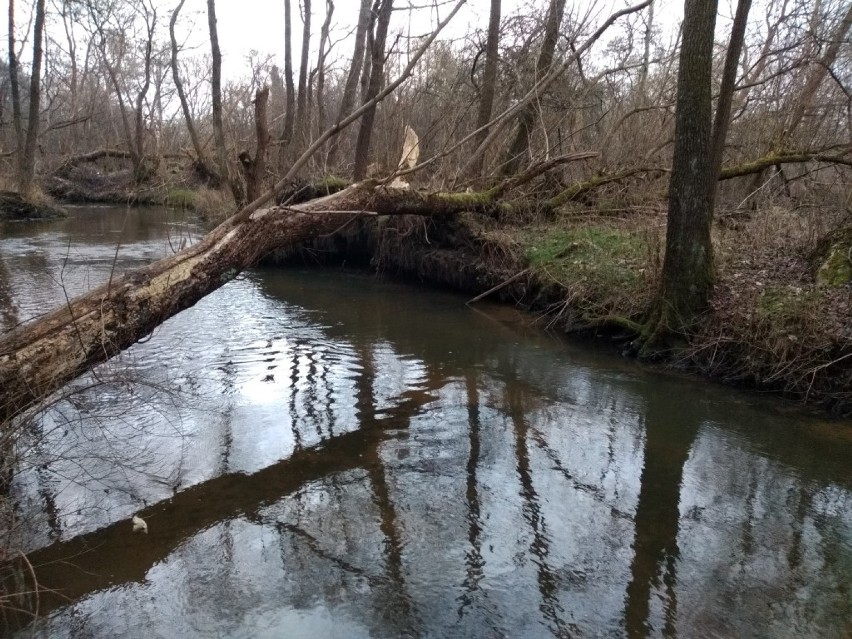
x: 773, y: 159
x: 39, y: 358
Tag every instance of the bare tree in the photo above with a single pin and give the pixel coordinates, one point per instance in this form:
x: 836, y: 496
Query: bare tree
x: 819, y: 71
x: 489, y: 82
x: 290, y: 100
x: 254, y: 168
x: 519, y: 149
x: 149, y: 15
x: 216, y: 90
x: 726, y: 94
x: 646, y: 56
x: 26, y: 157
x: 377, y: 66
x: 115, y: 29
x: 302, y: 125
x: 347, y: 101
x: 184, y: 103
x: 321, y: 58
x: 17, y: 116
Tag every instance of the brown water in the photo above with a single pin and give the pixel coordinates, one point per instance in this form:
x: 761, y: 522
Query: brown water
x: 325, y: 454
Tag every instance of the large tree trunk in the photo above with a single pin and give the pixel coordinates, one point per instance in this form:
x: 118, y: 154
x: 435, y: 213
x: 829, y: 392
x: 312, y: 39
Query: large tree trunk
x: 687, y: 276
x: 377, y: 70
x: 39, y: 358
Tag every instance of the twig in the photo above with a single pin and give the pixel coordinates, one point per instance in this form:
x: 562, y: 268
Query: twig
x: 498, y: 287
x: 821, y: 367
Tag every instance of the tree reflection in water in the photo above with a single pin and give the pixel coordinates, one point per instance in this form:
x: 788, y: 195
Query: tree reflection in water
x: 670, y: 430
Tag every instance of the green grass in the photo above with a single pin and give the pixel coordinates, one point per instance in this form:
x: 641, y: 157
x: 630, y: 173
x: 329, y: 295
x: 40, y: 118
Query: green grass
x: 607, y: 259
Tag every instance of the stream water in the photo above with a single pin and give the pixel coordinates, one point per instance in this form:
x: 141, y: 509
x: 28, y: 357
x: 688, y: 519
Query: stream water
x: 327, y: 454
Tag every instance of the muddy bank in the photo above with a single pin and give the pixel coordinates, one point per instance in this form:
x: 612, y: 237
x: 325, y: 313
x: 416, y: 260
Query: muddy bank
x: 772, y: 326
x: 14, y: 208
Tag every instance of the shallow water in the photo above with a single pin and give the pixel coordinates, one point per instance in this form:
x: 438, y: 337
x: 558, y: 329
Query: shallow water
x: 326, y: 454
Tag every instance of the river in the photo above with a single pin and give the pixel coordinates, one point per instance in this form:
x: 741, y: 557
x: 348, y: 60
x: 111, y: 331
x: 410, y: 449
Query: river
x: 323, y: 453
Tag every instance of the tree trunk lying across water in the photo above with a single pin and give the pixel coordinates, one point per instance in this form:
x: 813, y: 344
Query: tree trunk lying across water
x: 40, y: 357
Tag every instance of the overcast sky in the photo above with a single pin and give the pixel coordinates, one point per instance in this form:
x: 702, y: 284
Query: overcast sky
x: 258, y: 25
x: 247, y: 25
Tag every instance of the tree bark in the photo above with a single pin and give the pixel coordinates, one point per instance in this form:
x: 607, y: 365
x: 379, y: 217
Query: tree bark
x: 26, y: 168
x: 347, y: 101
x: 489, y: 84
x: 17, y: 116
x: 687, y: 276
x: 302, y: 125
x: 290, y: 91
x: 519, y: 151
x: 377, y: 70
x: 255, y: 168
x: 216, y: 89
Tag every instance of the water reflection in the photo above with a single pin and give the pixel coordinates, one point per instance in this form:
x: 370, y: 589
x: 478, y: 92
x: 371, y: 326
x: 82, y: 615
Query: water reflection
x: 331, y: 455
x: 670, y: 430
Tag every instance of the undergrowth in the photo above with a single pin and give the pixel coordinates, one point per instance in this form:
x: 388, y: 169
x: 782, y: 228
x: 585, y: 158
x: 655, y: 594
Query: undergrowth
x: 606, y: 271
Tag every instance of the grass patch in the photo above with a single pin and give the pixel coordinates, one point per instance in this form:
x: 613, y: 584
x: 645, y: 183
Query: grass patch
x: 214, y: 205
x: 606, y: 271
x: 606, y: 258
x: 180, y: 198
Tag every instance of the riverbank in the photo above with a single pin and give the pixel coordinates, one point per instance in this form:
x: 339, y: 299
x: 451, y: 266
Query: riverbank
x: 779, y: 320
x: 15, y: 208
